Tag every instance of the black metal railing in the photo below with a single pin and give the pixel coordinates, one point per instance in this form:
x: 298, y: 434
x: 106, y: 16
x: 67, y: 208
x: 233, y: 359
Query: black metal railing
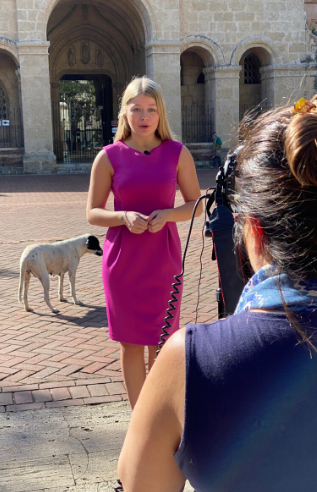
x: 76, y: 138
x: 11, y: 130
x: 197, y: 124
x: 77, y: 145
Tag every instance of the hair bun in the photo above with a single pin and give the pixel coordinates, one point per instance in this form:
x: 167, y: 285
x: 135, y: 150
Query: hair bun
x: 301, y: 147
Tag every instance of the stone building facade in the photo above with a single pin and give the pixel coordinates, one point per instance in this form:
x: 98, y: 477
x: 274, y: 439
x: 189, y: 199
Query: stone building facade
x: 213, y: 59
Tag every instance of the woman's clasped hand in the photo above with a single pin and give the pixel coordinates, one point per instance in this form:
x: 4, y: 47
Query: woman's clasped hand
x: 139, y: 223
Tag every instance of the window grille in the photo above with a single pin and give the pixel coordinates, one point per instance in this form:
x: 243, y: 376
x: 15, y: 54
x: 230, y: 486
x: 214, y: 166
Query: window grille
x: 3, y: 105
x: 252, y: 70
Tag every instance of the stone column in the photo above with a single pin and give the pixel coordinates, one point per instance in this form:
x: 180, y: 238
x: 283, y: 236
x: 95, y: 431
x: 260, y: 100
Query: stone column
x: 20, y: 116
x: 163, y: 65
x: 36, y: 100
x: 58, y: 125
x: 267, y: 86
x: 223, y: 95
x: 293, y: 81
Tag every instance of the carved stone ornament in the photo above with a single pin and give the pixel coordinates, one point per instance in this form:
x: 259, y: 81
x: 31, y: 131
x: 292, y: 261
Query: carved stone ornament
x: 85, y: 53
x: 71, y: 56
x: 84, y: 8
x: 99, y: 57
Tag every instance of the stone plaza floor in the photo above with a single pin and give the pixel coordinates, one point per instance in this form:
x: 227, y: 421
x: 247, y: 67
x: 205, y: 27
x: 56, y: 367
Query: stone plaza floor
x: 58, y: 360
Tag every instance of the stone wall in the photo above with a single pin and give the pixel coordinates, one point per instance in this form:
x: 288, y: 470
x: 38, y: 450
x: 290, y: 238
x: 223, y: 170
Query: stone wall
x: 8, y: 19
x: 132, y: 37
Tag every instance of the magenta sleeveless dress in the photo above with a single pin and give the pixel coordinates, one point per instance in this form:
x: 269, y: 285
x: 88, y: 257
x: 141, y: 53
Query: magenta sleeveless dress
x: 138, y: 269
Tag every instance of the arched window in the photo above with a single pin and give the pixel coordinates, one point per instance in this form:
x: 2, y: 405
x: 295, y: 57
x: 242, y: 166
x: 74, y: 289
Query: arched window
x: 3, y: 105
x: 201, y: 78
x: 252, y: 69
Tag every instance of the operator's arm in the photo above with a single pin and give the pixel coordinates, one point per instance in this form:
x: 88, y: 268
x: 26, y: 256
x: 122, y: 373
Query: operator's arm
x: 146, y: 462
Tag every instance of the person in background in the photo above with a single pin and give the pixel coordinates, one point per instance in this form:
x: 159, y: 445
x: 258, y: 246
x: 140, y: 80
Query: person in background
x: 231, y: 405
x: 216, y: 146
x: 142, y: 250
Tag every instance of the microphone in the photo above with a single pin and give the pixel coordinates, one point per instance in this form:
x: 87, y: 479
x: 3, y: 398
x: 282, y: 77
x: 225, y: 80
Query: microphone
x: 146, y: 152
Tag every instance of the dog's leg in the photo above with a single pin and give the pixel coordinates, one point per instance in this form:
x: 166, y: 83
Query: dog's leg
x: 25, y: 292
x: 45, y: 281
x: 60, y: 287
x: 72, y: 278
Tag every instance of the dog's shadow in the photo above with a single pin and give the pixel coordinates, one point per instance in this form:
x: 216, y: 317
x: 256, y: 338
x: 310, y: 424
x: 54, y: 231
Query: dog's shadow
x: 6, y: 273
x: 88, y: 317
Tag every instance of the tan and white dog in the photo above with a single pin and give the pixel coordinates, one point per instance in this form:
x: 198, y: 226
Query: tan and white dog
x: 42, y: 260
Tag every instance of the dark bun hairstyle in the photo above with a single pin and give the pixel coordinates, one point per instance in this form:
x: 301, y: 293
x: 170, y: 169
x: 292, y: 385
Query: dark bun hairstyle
x: 301, y: 147
x: 278, y: 187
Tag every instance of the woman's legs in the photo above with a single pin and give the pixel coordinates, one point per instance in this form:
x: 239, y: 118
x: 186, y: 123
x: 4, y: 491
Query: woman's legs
x: 133, y: 369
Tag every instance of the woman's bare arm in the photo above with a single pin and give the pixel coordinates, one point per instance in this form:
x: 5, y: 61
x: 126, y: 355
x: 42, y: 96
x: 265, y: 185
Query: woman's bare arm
x: 99, y: 189
x: 146, y: 462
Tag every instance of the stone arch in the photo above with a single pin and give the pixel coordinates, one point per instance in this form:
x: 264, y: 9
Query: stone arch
x: 205, y: 47
x: 10, y: 95
x: 121, y: 66
x: 117, y: 33
x: 9, y: 47
x: 254, y: 90
x: 143, y: 8
x: 197, y: 61
x: 262, y: 46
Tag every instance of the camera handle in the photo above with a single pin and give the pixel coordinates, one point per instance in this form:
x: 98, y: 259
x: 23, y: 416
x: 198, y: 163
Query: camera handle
x: 220, y: 227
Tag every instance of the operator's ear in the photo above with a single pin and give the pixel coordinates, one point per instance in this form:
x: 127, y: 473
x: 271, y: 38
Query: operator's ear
x: 256, y: 235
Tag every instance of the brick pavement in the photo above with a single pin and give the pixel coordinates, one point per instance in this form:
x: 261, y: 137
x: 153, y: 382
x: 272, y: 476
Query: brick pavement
x: 52, y: 360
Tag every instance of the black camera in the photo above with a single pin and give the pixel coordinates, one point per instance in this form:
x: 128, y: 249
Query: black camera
x: 220, y: 226
x: 225, y: 187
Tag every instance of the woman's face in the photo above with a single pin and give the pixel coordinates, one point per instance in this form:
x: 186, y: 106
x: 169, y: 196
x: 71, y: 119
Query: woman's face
x: 142, y: 115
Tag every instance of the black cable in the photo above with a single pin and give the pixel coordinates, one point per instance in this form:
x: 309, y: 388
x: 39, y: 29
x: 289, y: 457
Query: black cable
x: 174, y: 299
x: 178, y: 282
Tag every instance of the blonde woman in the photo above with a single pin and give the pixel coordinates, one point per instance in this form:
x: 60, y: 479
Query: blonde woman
x: 142, y: 250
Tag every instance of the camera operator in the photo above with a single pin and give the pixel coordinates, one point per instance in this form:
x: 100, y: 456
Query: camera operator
x: 232, y: 405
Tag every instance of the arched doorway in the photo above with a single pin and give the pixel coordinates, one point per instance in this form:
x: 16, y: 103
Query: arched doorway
x: 95, y: 50
x: 197, y: 110
x: 253, y: 91
x: 82, y: 117
x: 11, y: 132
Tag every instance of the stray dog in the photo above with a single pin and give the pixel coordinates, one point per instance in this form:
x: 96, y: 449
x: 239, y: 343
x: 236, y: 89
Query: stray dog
x: 54, y: 259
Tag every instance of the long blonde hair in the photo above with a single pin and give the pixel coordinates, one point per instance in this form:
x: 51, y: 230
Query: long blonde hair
x: 146, y: 86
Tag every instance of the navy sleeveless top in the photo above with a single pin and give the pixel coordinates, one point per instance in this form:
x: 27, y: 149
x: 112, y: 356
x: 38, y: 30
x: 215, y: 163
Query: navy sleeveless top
x: 250, y: 406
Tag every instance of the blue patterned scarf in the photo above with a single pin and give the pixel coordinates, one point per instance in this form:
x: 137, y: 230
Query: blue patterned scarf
x: 262, y: 292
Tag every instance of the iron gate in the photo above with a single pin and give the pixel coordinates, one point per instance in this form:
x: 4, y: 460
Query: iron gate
x: 76, y: 140
x: 11, y: 131
x: 197, y: 124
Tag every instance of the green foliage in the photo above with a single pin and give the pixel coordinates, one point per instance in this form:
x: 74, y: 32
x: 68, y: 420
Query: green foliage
x: 79, y: 95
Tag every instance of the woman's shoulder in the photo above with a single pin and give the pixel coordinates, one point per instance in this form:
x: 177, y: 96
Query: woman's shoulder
x: 113, y: 147
x: 172, y: 149
x: 238, y: 336
x: 172, y: 144
x: 114, y: 151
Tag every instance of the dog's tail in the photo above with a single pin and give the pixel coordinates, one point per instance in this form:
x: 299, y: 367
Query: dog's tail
x: 22, y: 278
